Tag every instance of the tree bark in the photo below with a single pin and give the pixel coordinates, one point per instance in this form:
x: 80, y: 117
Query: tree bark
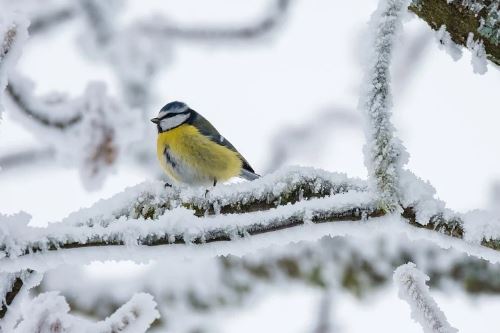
x: 460, y: 20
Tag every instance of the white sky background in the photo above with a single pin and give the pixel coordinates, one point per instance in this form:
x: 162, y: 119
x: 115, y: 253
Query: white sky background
x: 447, y: 117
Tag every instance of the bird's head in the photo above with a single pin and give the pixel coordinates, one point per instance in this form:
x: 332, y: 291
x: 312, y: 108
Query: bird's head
x: 172, y: 115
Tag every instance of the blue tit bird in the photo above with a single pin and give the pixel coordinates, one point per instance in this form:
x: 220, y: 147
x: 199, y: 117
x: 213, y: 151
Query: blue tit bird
x: 192, y: 151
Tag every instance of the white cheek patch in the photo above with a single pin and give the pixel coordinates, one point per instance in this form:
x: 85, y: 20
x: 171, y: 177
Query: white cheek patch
x: 169, y: 123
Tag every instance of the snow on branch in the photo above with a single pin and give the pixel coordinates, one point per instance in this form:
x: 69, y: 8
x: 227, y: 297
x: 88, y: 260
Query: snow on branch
x: 49, y: 313
x: 424, y: 309
x: 150, y: 200
x: 13, y: 34
x: 478, y: 59
x: 10, y: 285
x: 181, y: 226
x: 150, y: 215
x: 444, y: 42
x: 384, y: 153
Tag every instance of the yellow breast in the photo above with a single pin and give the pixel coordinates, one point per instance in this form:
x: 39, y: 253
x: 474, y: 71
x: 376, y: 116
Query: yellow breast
x: 194, y: 158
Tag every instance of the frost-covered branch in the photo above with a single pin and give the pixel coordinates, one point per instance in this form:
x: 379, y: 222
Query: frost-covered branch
x: 10, y: 285
x: 481, y: 18
x: 359, y: 264
x: 424, y: 309
x: 286, y: 199
x: 181, y: 226
x: 384, y: 153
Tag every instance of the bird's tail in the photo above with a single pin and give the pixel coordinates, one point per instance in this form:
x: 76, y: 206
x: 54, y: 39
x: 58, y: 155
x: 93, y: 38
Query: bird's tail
x: 248, y: 175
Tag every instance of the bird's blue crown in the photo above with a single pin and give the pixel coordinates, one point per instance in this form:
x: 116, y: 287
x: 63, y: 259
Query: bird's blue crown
x: 174, y: 106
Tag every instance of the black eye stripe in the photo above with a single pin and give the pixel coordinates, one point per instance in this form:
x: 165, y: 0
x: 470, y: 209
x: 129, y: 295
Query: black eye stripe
x: 170, y: 115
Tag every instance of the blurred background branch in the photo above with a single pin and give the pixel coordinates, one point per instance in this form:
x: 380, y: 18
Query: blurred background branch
x: 346, y: 264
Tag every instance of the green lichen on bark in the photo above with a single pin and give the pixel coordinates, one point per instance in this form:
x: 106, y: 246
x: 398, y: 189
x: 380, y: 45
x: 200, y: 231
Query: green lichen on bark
x: 461, y: 20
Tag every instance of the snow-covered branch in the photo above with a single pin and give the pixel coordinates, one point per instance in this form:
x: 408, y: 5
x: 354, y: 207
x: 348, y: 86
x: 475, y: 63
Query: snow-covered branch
x: 286, y: 199
x: 12, y: 284
x: 481, y: 18
x: 183, y: 222
x: 384, y: 153
x: 424, y: 309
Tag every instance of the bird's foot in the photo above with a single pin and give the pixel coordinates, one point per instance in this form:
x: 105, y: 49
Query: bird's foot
x: 207, y: 190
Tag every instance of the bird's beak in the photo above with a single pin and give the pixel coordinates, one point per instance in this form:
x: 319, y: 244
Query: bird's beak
x: 155, y: 120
